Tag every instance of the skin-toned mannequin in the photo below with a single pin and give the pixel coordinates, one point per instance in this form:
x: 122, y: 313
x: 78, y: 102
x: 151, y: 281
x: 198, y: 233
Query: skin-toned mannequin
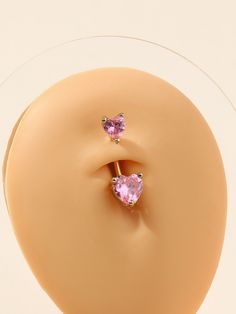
x: 90, y: 253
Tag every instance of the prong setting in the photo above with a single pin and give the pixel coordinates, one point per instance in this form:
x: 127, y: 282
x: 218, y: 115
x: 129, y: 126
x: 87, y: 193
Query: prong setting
x: 104, y: 119
x: 140, y: 175
x: 131, y: 203
x: 114, y: 180
x: 116, y: 140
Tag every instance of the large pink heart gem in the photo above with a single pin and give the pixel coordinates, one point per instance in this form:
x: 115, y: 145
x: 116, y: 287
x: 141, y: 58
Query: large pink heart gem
x: 128, y: 189
x: 114, y: 127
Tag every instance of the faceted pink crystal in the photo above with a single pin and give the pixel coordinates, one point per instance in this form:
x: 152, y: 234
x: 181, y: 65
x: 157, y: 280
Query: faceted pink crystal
x: 115, y: 126
x: 128, y: 189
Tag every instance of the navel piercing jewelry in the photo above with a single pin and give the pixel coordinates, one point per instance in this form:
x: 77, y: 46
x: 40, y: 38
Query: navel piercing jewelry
x: 127, y: 189
x: 114, y: 127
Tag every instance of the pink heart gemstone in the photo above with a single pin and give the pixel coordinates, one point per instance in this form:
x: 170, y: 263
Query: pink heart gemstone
x: 128, y: 189
x: 115, y: 126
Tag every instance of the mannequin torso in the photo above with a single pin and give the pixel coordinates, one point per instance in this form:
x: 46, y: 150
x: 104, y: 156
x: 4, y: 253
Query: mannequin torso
x: 91, y: 254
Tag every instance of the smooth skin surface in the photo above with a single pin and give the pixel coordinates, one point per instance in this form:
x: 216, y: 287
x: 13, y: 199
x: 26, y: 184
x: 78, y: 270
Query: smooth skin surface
x: 91, y: 254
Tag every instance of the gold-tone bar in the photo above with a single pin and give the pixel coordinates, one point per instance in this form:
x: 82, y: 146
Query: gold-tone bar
x: 117, y: 168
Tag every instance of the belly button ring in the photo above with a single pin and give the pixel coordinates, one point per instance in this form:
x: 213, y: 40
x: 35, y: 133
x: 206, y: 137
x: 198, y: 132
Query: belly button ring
x: 127, y: 189
x: 114, y: 127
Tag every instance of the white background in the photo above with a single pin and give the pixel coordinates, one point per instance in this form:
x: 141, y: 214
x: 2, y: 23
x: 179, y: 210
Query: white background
x: 203, y: 31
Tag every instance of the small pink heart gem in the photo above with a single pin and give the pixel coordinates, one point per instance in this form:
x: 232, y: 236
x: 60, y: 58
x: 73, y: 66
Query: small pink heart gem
x: 114, y: 127
x: 128, y: 189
